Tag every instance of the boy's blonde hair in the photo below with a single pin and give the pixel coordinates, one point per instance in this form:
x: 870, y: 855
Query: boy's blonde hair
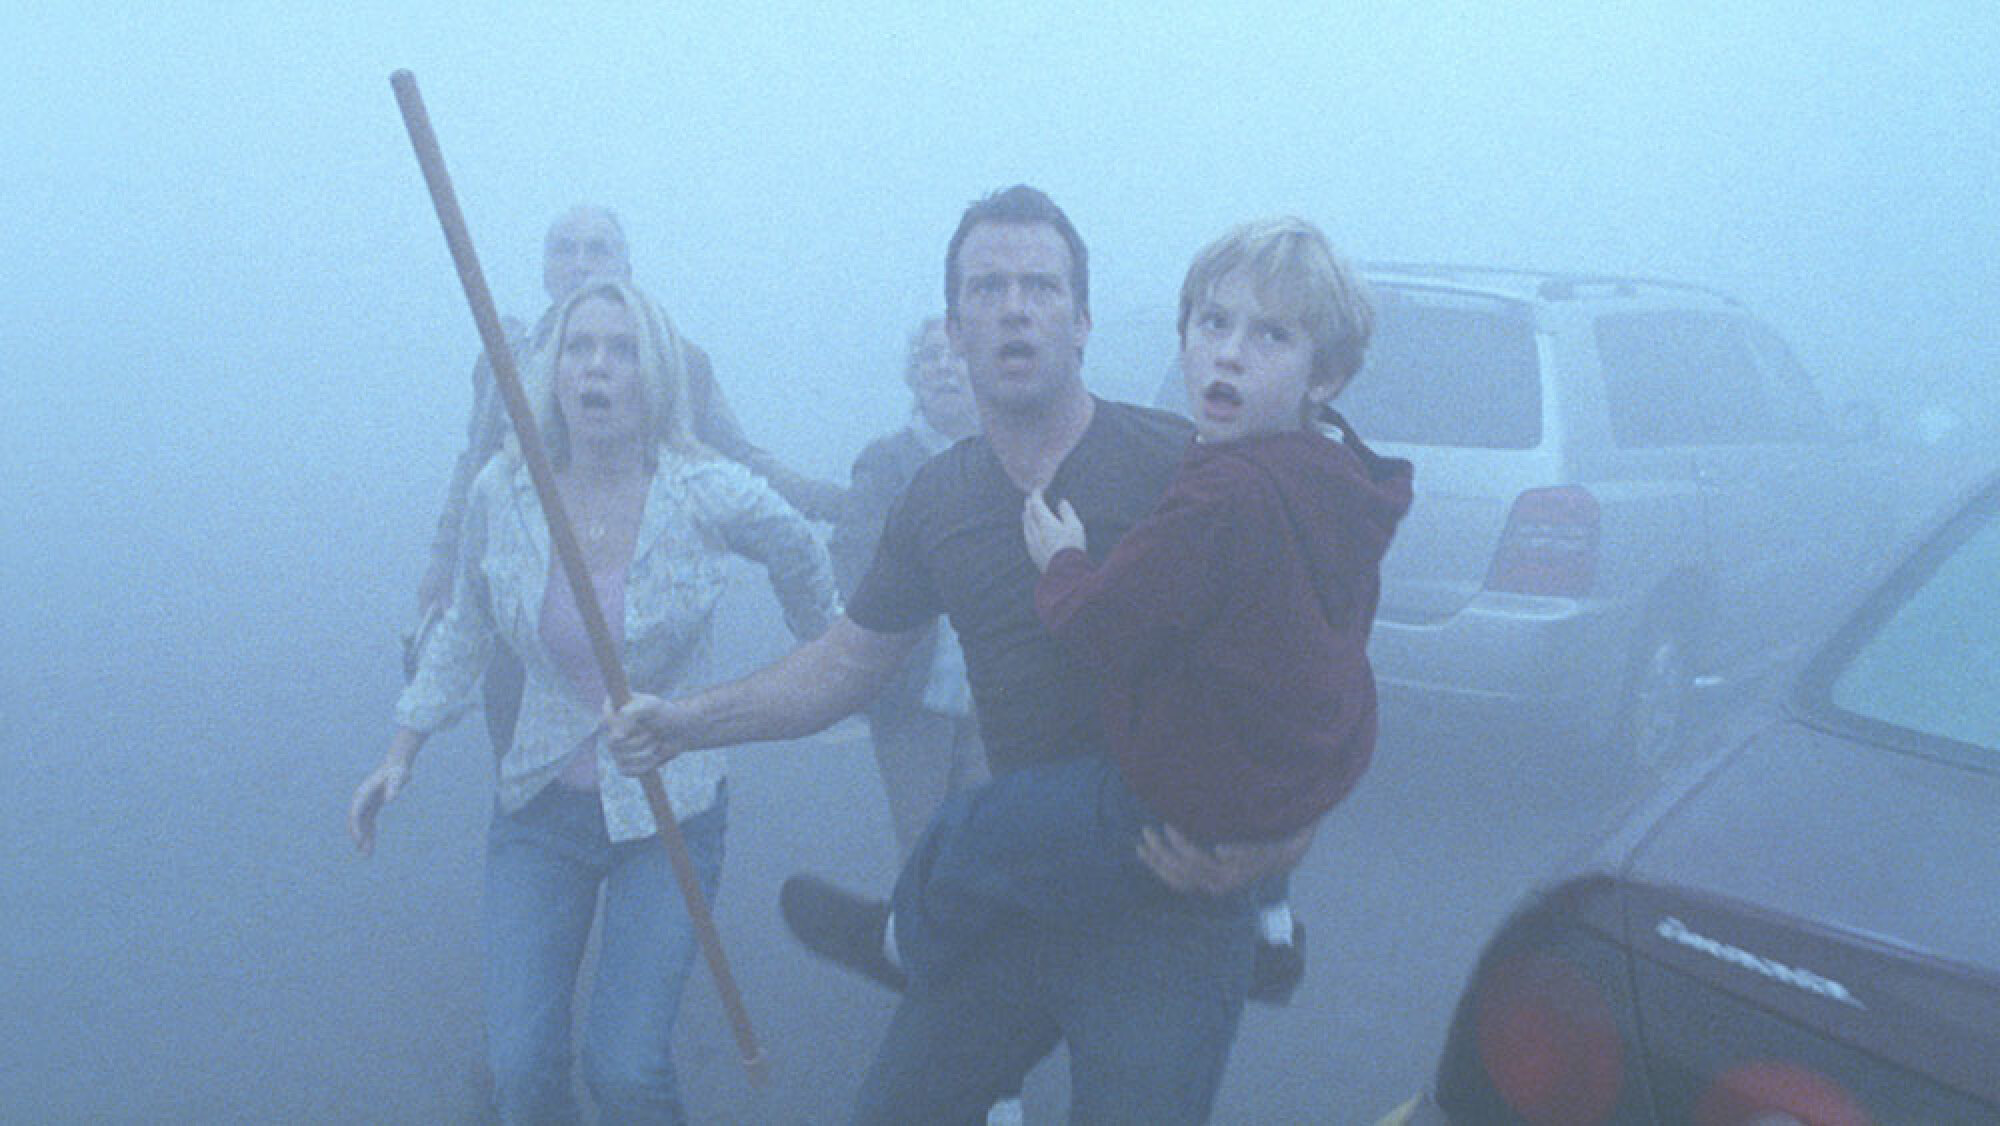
x: 662, y: 373
x: 1295, y: 272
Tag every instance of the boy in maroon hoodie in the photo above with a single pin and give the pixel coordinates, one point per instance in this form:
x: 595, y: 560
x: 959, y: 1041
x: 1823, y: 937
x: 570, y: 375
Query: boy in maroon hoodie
x: 1230, y: 626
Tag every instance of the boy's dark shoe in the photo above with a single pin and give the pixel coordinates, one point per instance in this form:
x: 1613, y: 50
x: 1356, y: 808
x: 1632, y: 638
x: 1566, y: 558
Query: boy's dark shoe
x: 1277, y: 970
x: 840, y: 926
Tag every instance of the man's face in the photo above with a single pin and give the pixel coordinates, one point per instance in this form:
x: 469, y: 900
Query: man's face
x: 1248, y: 367
x: 582, y: 246
x: 1017, y: 325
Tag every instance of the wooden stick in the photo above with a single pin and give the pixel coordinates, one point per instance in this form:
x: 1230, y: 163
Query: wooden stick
x: 563, y: 535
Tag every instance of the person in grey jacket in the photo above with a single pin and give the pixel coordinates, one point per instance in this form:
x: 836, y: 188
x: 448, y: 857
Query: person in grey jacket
x: 925, y: 735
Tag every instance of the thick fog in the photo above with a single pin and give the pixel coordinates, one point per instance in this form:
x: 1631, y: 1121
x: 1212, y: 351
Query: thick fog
x: 234, y: 373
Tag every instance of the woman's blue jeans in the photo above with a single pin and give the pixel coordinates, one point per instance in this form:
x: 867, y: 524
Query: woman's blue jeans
x: 544, y: 867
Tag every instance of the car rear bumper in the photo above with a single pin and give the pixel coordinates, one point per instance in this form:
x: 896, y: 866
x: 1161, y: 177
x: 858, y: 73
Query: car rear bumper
x: 1554, y: 660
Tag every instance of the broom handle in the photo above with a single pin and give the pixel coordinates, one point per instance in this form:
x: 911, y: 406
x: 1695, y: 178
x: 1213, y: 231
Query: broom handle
x: 563, y: 536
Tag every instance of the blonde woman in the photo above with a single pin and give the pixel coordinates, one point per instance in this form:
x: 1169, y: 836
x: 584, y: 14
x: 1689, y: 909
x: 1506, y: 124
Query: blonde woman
x: 655, y: 514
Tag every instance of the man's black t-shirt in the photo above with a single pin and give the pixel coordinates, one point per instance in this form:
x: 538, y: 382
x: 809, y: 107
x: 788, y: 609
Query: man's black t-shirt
x: 953, y: 545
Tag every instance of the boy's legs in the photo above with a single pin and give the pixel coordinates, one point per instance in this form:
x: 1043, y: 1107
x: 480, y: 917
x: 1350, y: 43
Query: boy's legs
x: 1054, y: 842
x: 1281, y: 943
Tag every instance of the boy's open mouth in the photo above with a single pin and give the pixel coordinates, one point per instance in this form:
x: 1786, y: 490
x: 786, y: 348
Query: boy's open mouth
x: 1222, y: 394
x: 595, y: 400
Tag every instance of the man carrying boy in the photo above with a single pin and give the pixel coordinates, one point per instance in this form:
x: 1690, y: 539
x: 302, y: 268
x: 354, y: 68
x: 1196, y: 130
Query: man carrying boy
x: 1147, y: 1002
x: 1229, y: 627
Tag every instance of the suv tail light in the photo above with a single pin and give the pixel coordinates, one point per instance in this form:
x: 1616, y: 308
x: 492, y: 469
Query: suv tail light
x: 1550, y: 544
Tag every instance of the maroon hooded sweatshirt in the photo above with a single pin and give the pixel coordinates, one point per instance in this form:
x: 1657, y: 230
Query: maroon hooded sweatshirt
x: 1232, y: 625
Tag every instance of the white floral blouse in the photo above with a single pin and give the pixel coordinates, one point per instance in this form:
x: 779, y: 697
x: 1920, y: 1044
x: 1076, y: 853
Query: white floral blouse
x: 697, y: 512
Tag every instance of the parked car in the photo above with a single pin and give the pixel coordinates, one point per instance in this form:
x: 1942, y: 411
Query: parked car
x: 1802, y: 926
x: 1626, y: 488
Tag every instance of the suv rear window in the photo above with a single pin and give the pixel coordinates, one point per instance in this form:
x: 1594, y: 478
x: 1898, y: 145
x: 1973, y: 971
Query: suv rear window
x: 1448, y: 370
x: 1683, y: 378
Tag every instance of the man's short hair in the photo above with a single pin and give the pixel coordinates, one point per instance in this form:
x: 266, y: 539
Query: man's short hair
x: 1018, y: 204
x: 1294, y: 271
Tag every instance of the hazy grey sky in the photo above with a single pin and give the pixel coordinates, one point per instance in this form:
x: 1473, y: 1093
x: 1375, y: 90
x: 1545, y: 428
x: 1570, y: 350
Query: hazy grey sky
x: 788, y: 173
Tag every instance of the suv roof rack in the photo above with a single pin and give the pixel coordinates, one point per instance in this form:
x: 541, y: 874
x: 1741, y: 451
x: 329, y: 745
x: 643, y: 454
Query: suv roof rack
x: 1550, y: 285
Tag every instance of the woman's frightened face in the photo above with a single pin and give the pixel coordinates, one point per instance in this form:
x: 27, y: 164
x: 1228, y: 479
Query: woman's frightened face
x: 597, y: 372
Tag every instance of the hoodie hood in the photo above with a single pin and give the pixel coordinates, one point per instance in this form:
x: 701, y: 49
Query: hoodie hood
x: 1343, y: 501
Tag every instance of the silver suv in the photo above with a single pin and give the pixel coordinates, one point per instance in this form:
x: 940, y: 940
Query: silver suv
x: 1626, y: 488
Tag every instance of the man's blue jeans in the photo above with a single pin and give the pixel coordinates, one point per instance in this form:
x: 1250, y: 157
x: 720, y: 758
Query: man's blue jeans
x: 1024, y: 918
x: 544, y: 866
x: 1147, y: 1004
